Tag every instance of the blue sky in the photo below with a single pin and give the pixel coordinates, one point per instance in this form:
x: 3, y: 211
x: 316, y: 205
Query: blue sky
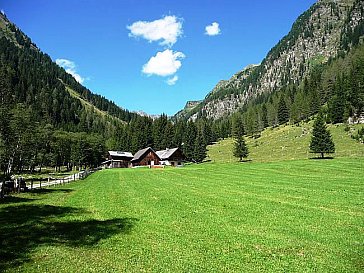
x: 109, y: 45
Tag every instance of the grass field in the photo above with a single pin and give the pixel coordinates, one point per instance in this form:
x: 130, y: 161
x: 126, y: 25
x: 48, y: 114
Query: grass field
x: 301, y: 216
x: 288, y: 143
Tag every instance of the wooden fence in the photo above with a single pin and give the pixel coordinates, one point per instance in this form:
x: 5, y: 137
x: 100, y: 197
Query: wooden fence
x: 32, y: 184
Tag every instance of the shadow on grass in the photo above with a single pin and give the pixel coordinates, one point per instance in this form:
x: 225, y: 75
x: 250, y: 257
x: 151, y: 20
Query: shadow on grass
x: 25, y: 227
x: 14, y: 199
x: 245, y: 160
x: 321, y: 158
x: 48, y: 190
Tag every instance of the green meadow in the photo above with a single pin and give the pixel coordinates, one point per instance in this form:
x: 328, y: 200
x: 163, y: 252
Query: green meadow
x: 290, y: 142
x: 285, y: 216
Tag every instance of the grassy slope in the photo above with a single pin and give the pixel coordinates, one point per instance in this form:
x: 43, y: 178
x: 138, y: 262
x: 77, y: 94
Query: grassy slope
x: 287, y: 143
x: 88, y: 106
x: 85, y: 103
x: 305, y: 216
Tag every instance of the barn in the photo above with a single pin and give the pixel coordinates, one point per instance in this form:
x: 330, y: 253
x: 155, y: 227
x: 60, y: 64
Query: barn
x: 117, y: 159
x: 145, y: 157
x: 171, y: 157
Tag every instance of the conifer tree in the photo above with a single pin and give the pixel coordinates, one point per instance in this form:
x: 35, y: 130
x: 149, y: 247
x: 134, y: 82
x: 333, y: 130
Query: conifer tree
x: 336, y: 105
x: 189, y: 139
x: 265, y: 116
x: 200, y: 152
x: 321, y: 141
x: 283, y: 114
x: 240, y: 149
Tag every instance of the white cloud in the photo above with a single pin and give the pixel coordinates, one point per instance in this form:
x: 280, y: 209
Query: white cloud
x: 70, y: 68
x: 163, y: 64
x: 213, y: 29
x: 2, y: 12
x: 172, y: 81
x: 167, y: 29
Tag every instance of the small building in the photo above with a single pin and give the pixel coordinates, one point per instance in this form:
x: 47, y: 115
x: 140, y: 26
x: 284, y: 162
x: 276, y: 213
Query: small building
x: 145, y: 157
x: 117, y: 159
x: 171, y: 157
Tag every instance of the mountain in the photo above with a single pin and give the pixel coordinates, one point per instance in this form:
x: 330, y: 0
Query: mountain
x: 327, y: 30
x: 52, y: 94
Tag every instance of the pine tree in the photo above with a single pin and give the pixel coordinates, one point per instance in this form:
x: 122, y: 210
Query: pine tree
x: 168, y: 136
x: 189, y: 138
x: 237, y: 128
x: 265, y: 116
x: 336, y: 105
x: 283, y: 114
x: 200, y: 152
x: 321, y: 141
x: 240, y: 149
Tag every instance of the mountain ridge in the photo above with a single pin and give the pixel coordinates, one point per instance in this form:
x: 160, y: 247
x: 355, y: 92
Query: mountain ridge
x: 325, y: 30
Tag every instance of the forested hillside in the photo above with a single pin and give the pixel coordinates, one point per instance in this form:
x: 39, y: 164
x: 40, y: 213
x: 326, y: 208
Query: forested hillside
x: 41, y: 84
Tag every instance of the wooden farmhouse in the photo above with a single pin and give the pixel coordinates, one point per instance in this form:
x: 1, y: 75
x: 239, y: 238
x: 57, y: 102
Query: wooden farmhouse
x: 171, y: 157
x: 117, y: 159
x: 145, y: 157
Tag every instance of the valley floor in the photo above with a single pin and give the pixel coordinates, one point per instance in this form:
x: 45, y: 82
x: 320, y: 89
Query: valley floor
x: 288, y: 216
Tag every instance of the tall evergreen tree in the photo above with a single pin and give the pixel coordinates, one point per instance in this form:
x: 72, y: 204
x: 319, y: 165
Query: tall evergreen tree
x: 336, y: 105
x: 200, y: 152
x: 168, y: 136
x: 283, y: 114
x: 189, y: 140
x: 265, y: 116
x: 240, y: 148
x: 321, y: 141
x: 237, y: 128
x: 179, y: 130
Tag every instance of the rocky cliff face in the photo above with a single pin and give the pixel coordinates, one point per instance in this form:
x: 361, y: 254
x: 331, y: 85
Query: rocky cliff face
x: 318, y: 34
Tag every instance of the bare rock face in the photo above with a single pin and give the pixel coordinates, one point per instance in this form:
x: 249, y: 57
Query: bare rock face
x: 317, y: 35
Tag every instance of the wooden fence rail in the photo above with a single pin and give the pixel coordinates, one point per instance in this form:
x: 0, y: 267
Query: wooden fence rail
x: 50, y: 181
x: 61, y: 181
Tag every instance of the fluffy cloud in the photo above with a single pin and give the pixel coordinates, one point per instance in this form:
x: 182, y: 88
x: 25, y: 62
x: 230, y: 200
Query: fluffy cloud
x: 167, y: 29
x: 70, y: 68
x: 165, y: 63
x: 172, y: 81
x: 213, y: 29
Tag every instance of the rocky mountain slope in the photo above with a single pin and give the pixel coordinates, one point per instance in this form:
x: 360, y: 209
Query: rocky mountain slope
x: 327, y: 29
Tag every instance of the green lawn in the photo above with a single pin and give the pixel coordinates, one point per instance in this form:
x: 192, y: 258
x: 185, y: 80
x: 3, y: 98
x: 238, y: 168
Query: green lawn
x: 296, y: 216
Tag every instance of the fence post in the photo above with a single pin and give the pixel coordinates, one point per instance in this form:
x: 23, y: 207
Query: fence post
x: 31, y: 184
x: 40, y: 183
